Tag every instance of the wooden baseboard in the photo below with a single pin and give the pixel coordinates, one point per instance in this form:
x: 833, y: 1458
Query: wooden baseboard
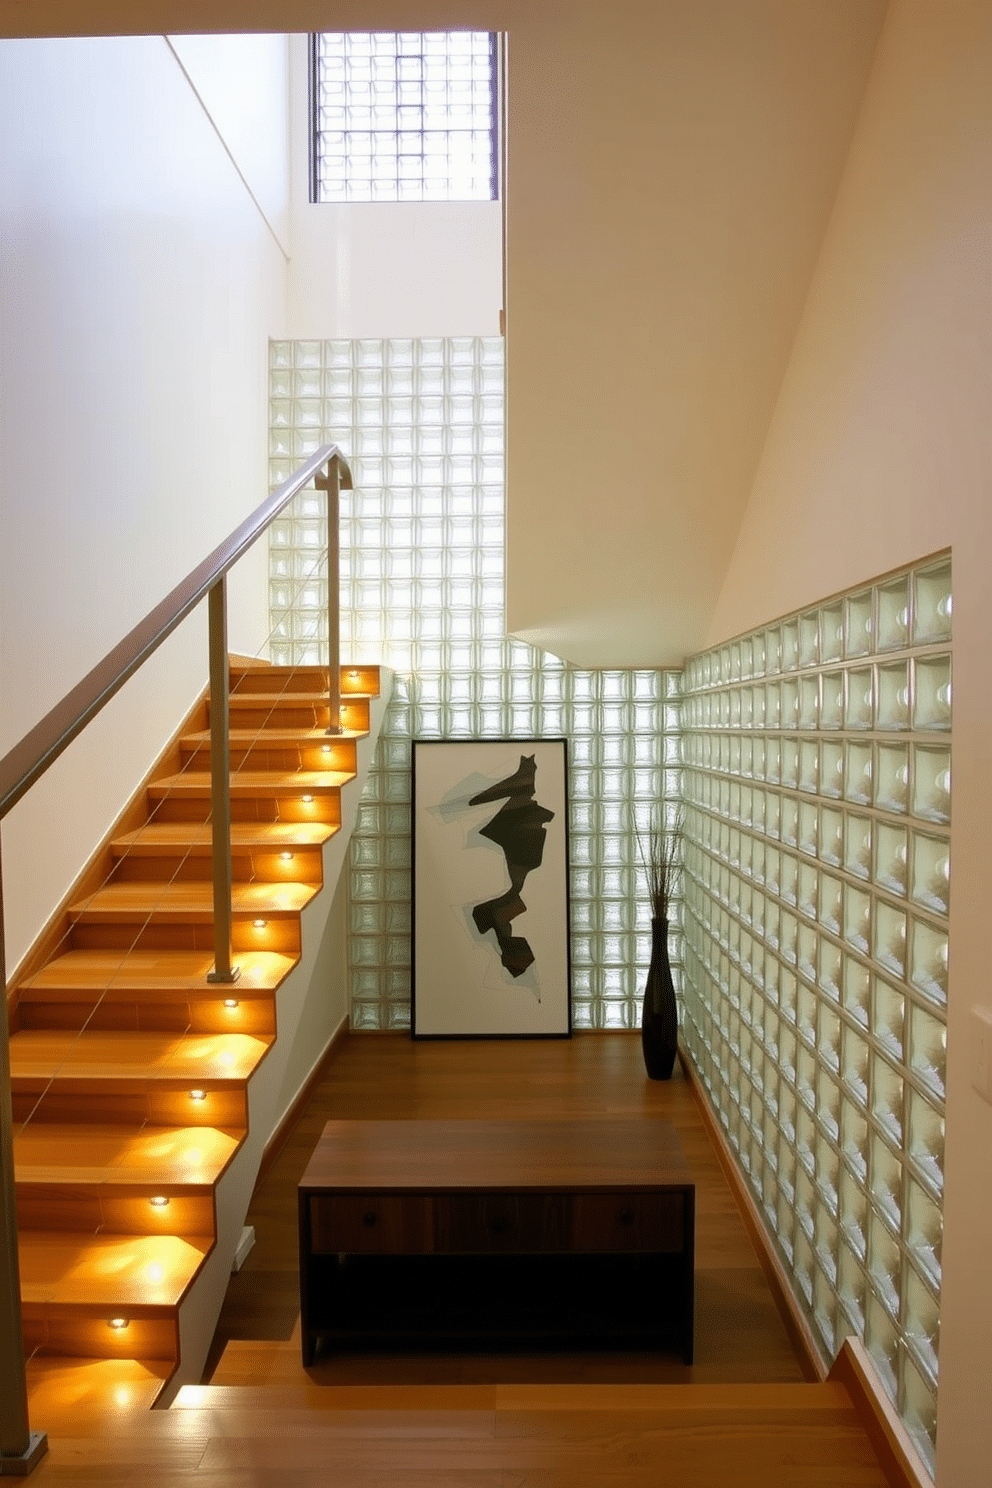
x: 280, y: 1136
x: 897, y: 1456
x: 801, y: 1336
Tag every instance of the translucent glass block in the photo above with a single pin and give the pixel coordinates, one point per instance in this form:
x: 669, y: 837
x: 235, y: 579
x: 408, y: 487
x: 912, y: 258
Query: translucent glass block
x: 926, y: 1138
x: 932, y: 604
x: 931, y: 872
x: 857, y: 845
x: 892, y: 857
x: 789, y: 704
x: 893, y: 614
x: 851, y: 1290
x: 789, y: 645
x: 928, y: 960
x: 854, y: 1065
x: 924, y: 1230
x: 932, y: 783
x: 857, y: 919
x: 919, y: 1397
x: 853, y: 1211
x: 830, y: 967
x: 808, y: 828
x: 893, y: 696
x: 832, y: 772
x: 809, y: 702
x: 884, y: 1265
x: 928, y: 1048
x: 853, y: 1139
x: 892, y: 777
x: 882, y: 1340
x: 857, y: 780
x: 858, y: 624
x: 887, y: 1097
x: 859, y: 706
x: 932, y: 697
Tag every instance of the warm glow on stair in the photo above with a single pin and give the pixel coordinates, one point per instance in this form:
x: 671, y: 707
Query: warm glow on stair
x: 89, y: 1247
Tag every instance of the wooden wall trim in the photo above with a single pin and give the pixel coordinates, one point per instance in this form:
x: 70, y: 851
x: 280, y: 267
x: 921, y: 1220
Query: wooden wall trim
x: 897, y: 1456
x: 811, y: 1359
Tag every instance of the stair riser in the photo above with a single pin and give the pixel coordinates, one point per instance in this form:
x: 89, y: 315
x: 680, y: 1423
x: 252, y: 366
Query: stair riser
x: 223, y: 1108
x: 303, y: 866
x: 60, y: 1331
x: 254, y: 1015
x: 323, y: 808
x: 360, y: 679
x: 278, y: 935
x: 340, y: 756
x: 87, y: 1208
x: 248, y: 714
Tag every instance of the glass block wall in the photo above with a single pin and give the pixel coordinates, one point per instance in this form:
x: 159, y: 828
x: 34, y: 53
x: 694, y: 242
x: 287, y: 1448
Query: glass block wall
x: 422, y: 592
x: 817, y: 784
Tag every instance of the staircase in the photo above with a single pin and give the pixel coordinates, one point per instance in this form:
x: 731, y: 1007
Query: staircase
x: 144, y: 1094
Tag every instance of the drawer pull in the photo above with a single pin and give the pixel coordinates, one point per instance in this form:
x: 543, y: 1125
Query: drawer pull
x: 626, y: 1216
x: 370, y: 1218
x: 499, y: 1225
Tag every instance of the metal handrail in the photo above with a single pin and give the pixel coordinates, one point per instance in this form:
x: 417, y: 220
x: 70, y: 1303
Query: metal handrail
x: 28, y: 760
x: 20, y: 1448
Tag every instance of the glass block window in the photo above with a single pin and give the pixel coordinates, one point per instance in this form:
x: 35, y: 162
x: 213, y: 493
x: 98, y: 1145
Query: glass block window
x: 817, y: 894
x: 401, y: 116
x: 422, y: 592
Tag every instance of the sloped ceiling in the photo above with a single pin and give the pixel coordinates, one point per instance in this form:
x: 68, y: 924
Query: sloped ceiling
x: 671, y: 167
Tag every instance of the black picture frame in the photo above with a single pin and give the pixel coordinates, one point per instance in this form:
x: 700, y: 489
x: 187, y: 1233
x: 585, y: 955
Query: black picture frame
x: 491, y: 945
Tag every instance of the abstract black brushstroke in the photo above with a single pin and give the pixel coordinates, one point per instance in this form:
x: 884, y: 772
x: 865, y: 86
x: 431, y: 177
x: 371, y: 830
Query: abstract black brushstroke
x: 519, y: 829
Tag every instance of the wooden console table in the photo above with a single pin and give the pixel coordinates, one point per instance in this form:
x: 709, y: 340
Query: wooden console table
x: 494, y: 1234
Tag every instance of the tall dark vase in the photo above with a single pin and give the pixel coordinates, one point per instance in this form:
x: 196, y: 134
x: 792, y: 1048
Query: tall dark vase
x: 659, y: 1015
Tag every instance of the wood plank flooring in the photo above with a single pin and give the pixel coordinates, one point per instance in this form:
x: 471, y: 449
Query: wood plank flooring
x: 739, y: 1334
x: 740, y: 1415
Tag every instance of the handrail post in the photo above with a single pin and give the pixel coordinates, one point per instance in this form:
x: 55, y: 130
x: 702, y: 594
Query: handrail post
x: 331, y: 483
x: 20, y: 1447
x: 220, y: 784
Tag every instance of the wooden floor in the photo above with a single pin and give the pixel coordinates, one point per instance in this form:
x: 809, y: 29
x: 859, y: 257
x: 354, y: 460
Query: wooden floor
x: 740, y: 1416
x: 739, y: 1334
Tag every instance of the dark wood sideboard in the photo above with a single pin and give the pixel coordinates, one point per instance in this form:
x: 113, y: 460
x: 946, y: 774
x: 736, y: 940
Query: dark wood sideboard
x: 447, y: 1235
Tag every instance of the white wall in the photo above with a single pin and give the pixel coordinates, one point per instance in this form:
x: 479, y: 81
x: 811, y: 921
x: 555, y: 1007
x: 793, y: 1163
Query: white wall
x: 139, y: 282
x: 880, y: 452
x: 671, y: 169
x: 387, y: 269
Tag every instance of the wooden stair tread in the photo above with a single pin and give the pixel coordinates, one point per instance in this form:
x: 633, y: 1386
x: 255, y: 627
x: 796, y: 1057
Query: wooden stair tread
x: 146, y: 1272
x: 158, y: 972
x: 194, y: 838
x: 91, y: 1389
x: 163, y: 1157
x: 188, y: 901
x: 254, y: 783
x: 119, y: 1058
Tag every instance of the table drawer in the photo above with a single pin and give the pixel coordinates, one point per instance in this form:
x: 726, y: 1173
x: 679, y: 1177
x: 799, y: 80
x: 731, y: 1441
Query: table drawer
x: 502, y: 1222
x: 625, y: 1222
x: 370, y: 1224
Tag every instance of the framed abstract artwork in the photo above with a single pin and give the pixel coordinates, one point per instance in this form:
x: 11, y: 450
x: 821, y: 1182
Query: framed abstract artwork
x: 490, y: 889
